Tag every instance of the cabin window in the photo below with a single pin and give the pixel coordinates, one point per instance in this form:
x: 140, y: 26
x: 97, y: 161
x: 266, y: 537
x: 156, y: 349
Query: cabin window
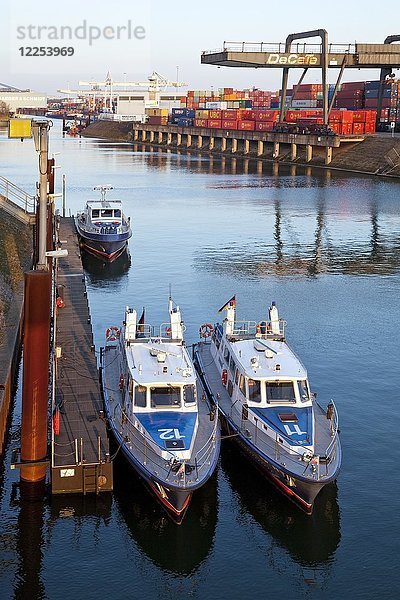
x: 242, y: 385
x: 237, y: 376
x: 140, y: 396
x: 280, y: 391
x: 303, y: 390
x: 232, y: 365
x: 95, y: 213
x: 162, y: 397
x: 117, y: 213
x: 106, y: 213
x: 189, y: 394
x: 254, y: 390
x: 227, y: 354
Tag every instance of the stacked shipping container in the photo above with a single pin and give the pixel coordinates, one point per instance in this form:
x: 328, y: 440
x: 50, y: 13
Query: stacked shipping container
x: 258, y: 110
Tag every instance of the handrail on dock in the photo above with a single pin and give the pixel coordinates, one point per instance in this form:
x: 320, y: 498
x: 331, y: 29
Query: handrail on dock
x: 17, y: 196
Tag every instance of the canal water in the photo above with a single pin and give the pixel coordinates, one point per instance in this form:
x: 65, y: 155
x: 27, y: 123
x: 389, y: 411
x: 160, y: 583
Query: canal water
x: 326, y: 248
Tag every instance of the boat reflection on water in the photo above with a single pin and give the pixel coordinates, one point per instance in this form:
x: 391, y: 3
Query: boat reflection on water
x: 179, y: 550
x: 312, y: 539
x: 100, y: 270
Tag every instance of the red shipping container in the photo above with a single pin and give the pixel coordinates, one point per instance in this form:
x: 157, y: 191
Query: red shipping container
x: 158, y: 121
x: 230, y: 114
x: 246, y: 114
x: 268, y: 115
x: 246, y: 125
x: 353, y: 85
x: 335, y: 126
x: 344, y: 116
x: 264, y: 125
x: 350, y: 94
x: 346, y: 128
x: 200, y: 122
x: 214, y: 123
x: 306, y: 95
x: 215, y: 114
x: 229, y: 124
x: 370, y: 127
x: 358, y: 128
x: 309, y: 87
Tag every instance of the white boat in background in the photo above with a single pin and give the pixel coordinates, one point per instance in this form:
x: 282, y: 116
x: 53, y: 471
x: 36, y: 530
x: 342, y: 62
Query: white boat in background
x: 157, y: 409
x: 264, y: 399
x: 102, y: 227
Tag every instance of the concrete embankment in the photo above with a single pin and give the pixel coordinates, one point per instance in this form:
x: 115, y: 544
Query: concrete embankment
x: 377, y: 154
x: 15, y: 258
x: 110, y: 130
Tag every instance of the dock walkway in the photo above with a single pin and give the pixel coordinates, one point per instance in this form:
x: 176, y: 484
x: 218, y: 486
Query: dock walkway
x: 80, y: 451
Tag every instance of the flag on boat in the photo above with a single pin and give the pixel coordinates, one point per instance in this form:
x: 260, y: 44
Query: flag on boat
x: 140, y: 325
x: 230, y: 304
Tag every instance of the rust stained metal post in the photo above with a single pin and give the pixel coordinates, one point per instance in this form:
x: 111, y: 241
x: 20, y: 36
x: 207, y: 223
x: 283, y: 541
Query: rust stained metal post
x: 35, y: 374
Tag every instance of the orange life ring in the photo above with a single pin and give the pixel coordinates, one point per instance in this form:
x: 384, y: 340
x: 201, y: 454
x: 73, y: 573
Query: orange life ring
x: 206, y: 330
x: 168, y: 332
x: 60, y: 302
x: 224, y: 377
x: 112, y: 333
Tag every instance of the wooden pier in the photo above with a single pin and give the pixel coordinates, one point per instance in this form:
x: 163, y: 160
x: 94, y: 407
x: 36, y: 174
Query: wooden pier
x: 80, y: 459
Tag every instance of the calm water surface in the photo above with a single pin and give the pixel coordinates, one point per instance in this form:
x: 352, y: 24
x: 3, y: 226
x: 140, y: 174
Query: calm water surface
x: 327, y: 249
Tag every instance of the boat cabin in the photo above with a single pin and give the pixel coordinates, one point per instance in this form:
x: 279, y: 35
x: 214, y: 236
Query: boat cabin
x: 102, y: 213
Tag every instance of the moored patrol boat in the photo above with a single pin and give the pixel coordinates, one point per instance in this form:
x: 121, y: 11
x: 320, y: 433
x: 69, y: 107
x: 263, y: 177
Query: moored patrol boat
x: 102, y: 227
x: 264, y: 399
x: 157, y: 409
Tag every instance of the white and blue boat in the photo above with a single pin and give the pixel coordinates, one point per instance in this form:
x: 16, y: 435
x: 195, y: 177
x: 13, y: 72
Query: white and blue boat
x: 102, y: 227
x: 264, y: 399
x: 157, y: 409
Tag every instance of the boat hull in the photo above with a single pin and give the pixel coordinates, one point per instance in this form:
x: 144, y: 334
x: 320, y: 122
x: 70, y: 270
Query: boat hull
x: 299, y: 492
x: 175, y: 501
x: 107, y: 246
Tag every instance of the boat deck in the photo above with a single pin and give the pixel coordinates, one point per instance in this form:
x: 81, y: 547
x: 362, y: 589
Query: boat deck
x: 255, y: 432
x: 80, y: 452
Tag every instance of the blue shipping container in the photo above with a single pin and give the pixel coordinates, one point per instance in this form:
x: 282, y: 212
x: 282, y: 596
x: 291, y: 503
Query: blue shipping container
x: 374, y: 93
x: 183, y: 112
x: 184, y: 122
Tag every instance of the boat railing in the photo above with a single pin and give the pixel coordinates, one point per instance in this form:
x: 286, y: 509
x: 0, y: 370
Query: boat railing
x: 144, y: 444
x: 104, y: 228
x: 146, y: 331
x: 17, y: 196
x: 203, y: 456
x: 259, y: 329
x: 273, y: 446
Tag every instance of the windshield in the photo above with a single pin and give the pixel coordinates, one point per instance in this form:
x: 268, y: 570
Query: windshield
x: 165, y: 396
x: 189, y: 394
x: 280, y: 391
x: 303, y: 391
x: 254, y: 390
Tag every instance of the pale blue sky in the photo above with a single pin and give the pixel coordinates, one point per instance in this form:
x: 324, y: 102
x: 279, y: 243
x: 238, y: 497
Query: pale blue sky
x: 176, y: 33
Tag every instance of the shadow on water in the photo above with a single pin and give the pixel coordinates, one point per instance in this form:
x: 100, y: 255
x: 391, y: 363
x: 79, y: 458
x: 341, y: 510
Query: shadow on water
x: 311, y: 540
x: 178, y: 549
x: 100, y: 271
